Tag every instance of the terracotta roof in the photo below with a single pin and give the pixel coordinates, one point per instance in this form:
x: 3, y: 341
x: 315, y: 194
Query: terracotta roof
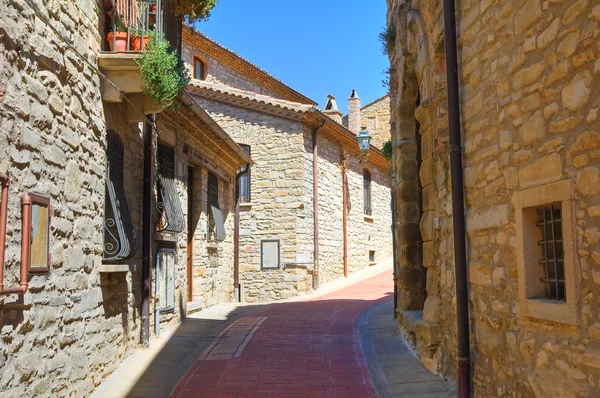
x: 242, y: 65
x: 301, y: 112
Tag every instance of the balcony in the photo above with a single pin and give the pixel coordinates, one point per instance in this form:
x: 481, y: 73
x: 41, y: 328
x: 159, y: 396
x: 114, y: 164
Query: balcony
x: 130, y: 24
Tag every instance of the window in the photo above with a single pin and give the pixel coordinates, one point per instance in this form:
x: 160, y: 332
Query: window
x: 170, y: 213
x: 546, y: 260
x: 371, y: 256
x: 244, y: 181
x: 119, y: 235
x: 216, y: 226
x: 552, y: 254
x: 367, y: 191
x: 199, y: 69
x: 165, y: 279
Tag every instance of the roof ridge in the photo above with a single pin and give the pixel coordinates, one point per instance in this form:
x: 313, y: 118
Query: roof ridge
x: 263, y: 71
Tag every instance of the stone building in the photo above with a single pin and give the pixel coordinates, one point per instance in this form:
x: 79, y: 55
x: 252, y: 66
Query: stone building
x: 277, y: 126
x: 73, y: 119
x: 529, y: 72
x: 375, y: 117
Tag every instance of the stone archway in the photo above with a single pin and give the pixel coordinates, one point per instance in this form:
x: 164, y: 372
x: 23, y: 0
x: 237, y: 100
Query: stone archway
x: 414, y: 105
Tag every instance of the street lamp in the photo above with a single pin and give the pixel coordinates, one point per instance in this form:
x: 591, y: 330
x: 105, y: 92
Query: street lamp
x: 364, y: 141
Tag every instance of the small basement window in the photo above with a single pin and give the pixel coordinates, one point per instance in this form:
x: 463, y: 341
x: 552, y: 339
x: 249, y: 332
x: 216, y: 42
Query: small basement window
x: 371, y: 256
x: 549, y: 278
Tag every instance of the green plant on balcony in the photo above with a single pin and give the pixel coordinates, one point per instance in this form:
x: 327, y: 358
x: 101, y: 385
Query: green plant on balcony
x: 194, y: 10
x: 162, y: 71
x: 117, y: 37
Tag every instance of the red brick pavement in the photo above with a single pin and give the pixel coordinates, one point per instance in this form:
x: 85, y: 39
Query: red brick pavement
x: 302, y: 349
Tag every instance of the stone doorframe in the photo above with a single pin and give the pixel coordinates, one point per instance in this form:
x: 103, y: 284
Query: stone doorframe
x: 414, y: 108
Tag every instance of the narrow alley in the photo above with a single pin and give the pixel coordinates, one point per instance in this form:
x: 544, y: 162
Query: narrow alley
x: 332, y: 345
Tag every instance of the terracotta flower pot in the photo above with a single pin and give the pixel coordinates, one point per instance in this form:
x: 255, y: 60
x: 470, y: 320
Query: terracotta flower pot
x: 136, y: 43
x: 121, y: 41
x: 153, y: 7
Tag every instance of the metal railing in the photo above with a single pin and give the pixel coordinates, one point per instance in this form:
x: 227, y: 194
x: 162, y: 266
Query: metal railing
x: 133, y: 21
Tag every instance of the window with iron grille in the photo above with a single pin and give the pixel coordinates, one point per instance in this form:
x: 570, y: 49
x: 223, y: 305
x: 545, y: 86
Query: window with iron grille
x: 244, y: 181
x: 119, y: 234
x: 367, y: 191
x: 549, y: 278
x: 170, y: 213
x: 549, y: 221
x: 216, y: 226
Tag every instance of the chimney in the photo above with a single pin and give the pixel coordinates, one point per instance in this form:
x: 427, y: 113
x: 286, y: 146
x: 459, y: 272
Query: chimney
x: 331, y: 109
x: 354, y: 113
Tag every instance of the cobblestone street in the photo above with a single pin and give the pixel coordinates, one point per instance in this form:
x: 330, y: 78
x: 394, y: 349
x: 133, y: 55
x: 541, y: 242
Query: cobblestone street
x: 308, y: 349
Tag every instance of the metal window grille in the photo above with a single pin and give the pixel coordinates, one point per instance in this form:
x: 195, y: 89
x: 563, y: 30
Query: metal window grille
x: 170, y: 213
x: 216, y: 226
x: 367, y: 191
x: 165, y: 279
x: 244, y: 181
x: 549, y: 220
x: 119, y: 234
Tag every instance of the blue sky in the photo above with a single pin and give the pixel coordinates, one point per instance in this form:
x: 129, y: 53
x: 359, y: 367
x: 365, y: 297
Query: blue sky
x: 317, y: 47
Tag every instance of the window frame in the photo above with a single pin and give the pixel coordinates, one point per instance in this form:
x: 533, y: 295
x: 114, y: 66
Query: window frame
x: 245, y: 199
x: 525, y: 203
x: 203, y: 72
x: 213, y: 233
x: 367, y: 192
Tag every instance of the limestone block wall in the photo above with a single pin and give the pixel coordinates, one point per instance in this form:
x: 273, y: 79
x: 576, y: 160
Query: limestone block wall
x: 364, y: 233
x: 73, y: 326
x: 278, y: 208
x: 376, y: 117
x: 217, y: 73
x: 529, y: 71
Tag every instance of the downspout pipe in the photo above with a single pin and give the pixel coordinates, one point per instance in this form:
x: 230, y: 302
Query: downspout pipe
x: 25, y: 238
x: 395, y: 269
x: 458, y: 207
x: 146, y: 235
x: 317, y: 271
x: 236, y: 235
x: 344, y: 212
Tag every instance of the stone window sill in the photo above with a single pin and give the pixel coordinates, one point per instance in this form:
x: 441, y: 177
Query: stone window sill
x: 212, y: 245
x: 107, y: 268
x: 246, y: 206
x: 549, y: 310
x: 369, y: 218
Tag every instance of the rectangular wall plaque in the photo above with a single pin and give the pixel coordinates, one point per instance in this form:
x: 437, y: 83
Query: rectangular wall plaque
x: 269, y: 254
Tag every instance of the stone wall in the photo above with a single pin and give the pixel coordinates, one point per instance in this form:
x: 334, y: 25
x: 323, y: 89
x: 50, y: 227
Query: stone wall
x: 528, y: 73
x: 74, y: 325
x: 219, y: 74
x: 376, y: 117
x: 277, y: 208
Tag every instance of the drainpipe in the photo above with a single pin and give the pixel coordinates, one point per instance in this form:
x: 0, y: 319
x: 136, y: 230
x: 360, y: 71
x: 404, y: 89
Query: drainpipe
x: 25, y: 238
x: 146, y: 235
x: 458, y: 209
x: 317, y: 272
x: 236, y: 235
x: 395, y: 269
x: 345, y: 212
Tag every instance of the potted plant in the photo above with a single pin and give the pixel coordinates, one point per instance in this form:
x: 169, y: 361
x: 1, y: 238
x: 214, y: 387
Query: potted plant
x: 136, y: 39
x: 162, y: 71
x: 120, y: 42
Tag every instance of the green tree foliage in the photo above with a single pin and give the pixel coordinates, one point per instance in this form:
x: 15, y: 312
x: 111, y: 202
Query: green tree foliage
x: 194, y: 10
x: 387, y: 150
x: 162, y: 71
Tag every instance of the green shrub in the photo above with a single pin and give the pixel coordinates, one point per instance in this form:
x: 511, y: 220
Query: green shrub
x: 387, y: 150
x: 388, y: 39
x: 162, y: 71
